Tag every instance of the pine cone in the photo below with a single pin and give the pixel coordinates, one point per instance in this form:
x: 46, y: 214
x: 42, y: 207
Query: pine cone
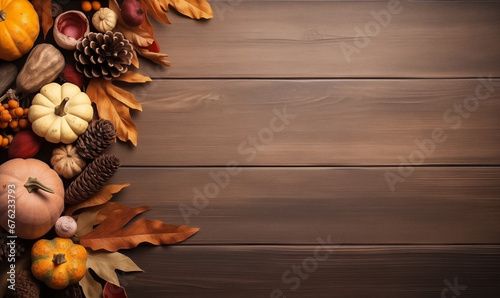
x: 20, y: 248
x: 27, y: 286
x: 95, y: 175
x: 103, y: 54
x: 100, y: 134
x: 73, y: 291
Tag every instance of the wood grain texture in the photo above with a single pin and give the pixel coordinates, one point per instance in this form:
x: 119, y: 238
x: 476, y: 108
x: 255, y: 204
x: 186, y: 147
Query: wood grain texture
x: 305, y: 39
x: 294, y: 205
x: 348, y: 271
x: 322, y: 176
x: 331, y: 122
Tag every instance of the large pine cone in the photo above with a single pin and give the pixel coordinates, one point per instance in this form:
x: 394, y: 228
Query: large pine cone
x: 100, y: 134
x: 92, y: 179
x: 103, y: 54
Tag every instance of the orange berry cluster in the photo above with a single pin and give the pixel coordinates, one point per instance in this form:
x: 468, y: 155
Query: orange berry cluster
x: 88, y: 6
x: 13, y: 116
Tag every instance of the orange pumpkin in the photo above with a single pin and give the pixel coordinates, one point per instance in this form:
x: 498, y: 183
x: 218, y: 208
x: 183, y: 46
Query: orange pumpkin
x: 58, y: 262
x: 31, y: 197
x: 19, y: 28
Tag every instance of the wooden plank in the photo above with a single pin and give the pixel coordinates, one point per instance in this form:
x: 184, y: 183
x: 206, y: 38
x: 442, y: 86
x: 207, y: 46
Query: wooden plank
x: 332, y: 39
x: 439, y: 205
x: 346, y: 271
x: 330, y: 122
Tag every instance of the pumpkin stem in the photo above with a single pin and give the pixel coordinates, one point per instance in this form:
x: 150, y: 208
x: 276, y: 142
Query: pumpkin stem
x: 33, y: 184
x: 59, y: 110
x: 3, y: 15
x: 59, y: 259
x: 11, y: 93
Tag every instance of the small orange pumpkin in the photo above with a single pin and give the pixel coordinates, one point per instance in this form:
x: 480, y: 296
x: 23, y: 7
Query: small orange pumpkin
x: 19, y: 28
x: 58, y: 262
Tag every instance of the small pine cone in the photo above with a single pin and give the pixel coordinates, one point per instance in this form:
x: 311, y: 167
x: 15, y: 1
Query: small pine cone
x: 20, y: 248
x: 27, y: 286
x: 106, y: 55
x: 73, y: 291
x: 100, y: 134
x: 95, y: 175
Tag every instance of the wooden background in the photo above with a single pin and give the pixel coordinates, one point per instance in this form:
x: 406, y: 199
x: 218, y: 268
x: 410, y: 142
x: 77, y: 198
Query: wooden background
x: 320, y: 175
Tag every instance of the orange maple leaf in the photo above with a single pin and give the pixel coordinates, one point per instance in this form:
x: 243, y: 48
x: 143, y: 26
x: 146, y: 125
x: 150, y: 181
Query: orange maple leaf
x: 111, y: 236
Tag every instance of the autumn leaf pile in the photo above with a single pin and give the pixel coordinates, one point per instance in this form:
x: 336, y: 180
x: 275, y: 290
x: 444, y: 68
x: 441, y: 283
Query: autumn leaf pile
x: 101, y: 229
x: 101, y: 222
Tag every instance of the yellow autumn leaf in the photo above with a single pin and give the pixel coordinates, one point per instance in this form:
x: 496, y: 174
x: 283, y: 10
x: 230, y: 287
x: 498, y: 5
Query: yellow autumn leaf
x: 158, y: 58
x: 133, y: 77
x: 196, y: 9
x: 157, y: 9
x: 114, y: 104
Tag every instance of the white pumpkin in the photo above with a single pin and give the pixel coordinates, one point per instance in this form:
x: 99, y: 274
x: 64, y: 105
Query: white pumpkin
x: 104, y: 19
x: 60, y: 113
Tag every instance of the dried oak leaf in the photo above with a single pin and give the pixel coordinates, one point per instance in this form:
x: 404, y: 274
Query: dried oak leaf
x: 114, y: 103
x: 101, y: 197
x: 111, y: 236
x: 104, y: 265
x: 42, y: 8
x: 90, y: 287
x: 196, y: 9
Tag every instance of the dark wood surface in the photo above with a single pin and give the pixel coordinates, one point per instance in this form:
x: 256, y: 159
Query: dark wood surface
x: 324, y: 175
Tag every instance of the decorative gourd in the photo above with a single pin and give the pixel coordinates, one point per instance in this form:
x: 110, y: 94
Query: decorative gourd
x: 60, y: 113
x: 65, y: 227
x: 37, y: 194
x: 19, y: 28
x: 58, y: 262
x: 104, y: 19
x: 66, y: 161
x: 44, y: 64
